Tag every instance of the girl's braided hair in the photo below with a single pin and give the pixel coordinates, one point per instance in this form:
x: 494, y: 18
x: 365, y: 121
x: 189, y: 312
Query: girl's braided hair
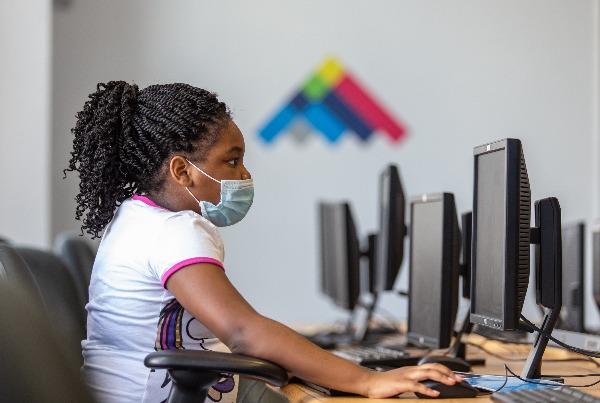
x: 124, y: 136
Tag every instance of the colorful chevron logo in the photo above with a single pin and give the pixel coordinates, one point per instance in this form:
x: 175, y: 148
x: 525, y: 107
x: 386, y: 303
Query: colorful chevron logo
x: 332, y: 102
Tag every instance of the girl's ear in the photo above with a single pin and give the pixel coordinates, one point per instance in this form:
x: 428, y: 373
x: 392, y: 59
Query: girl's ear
x: 180, y: 171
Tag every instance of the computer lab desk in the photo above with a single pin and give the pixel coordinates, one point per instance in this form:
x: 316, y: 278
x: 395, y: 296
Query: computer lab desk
x: 512, y: 354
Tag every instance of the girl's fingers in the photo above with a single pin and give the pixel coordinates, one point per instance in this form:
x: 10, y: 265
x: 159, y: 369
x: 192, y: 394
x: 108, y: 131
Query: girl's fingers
x: 436, y: 372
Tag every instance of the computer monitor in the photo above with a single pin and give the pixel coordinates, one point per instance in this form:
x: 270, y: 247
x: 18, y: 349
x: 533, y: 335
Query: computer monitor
x: 596, y: 263
x: 465, y: 265
x: 500, y: 248
x: 435, y: 245
x: 572, y: 312
x: 340, y: 254
x: 501, y: 222
x: 392, y: 229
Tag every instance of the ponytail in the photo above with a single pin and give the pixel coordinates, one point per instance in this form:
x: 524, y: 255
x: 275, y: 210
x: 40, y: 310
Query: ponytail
x: 123, y: 136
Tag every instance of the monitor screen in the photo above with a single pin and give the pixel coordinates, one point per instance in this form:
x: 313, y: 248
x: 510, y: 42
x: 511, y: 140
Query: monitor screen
x: 501, y: 234
x: 433, y: 270
x: 340, y: 254
x: 572, y: 314
x: 392, y: 229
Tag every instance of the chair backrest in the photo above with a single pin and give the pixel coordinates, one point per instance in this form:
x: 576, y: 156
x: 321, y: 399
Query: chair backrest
x: 34, y: 365
x: 59, y: 293
x: 15, y: 272
x: 78, y: 254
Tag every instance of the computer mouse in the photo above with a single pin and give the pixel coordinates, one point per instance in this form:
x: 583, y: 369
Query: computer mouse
x: 456, y: 391
x: 454, y: 363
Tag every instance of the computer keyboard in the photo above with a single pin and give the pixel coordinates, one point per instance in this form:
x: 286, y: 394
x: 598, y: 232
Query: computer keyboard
x: 374, y: 356
x: 558, y: 395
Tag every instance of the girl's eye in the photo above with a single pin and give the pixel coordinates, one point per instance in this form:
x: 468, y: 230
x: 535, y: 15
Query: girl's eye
x: 233, y: 162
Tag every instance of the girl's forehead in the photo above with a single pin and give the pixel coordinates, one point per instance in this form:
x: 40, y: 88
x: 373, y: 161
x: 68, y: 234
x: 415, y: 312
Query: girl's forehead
x: 230, y: 136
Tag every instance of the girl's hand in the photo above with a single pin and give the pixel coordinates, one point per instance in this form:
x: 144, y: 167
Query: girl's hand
x: 407, y: 379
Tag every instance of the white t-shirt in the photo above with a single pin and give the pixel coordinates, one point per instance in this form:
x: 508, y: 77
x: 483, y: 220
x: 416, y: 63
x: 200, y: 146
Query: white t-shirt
x: 131, y: 314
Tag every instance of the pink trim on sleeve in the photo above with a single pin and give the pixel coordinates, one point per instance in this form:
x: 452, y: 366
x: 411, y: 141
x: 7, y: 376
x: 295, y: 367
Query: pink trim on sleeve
x: 188, y: 262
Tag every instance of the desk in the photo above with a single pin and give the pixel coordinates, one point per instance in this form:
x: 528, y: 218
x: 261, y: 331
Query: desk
x: 514, y: 356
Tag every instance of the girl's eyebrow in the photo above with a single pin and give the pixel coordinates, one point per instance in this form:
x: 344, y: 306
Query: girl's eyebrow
x: 235, y: 149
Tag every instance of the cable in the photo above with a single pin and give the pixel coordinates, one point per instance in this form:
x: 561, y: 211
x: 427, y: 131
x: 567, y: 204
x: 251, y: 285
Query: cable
x: 554, y: 384
x: 501, y: 357
x: 507, y: 370
x: 572, y: 376
x: 505, y: 380
x: 586, y: 359
x: 582, y: 351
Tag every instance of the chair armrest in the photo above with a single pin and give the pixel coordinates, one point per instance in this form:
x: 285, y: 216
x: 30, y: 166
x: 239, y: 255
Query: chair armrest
x: 218, y: 362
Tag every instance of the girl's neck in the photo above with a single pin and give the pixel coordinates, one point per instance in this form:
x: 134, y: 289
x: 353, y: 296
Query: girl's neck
x: 173, y: 202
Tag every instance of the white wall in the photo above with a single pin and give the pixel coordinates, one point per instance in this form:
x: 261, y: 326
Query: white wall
x: 459, y: 73
x: 25, y: 74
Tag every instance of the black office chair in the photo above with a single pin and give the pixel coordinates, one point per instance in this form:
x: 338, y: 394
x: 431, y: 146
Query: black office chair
x: 193, y: 372
x: 35, y: 365
x: 59, y: 293
x: 15, y: 272
x: 78, y: 254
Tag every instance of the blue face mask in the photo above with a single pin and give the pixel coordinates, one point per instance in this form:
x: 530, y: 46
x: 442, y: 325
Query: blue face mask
x: 236, y: 199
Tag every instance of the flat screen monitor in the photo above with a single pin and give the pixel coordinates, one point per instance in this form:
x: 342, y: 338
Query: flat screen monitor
x: 467, y: 236
x: 501, y: 235
x: 596, y: 263
x: 340, y: 254
x: 572, y: 313
x: 392, y: 229
x: 435, y: 246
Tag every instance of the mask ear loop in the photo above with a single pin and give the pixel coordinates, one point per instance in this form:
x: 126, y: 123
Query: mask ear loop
x: 192, y: 164
x: 201, y: 204
x: 191, y: 194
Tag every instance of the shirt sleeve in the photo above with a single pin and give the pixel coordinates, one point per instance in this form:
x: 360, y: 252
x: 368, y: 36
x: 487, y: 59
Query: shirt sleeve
x: 185, y: 239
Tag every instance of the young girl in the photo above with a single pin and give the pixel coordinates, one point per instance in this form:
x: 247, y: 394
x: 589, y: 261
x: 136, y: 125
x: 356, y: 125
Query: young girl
x: 160, y: 169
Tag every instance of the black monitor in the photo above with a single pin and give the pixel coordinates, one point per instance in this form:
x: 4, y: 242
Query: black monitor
x: 465, y: 265
x: 596, y: 263
x: 340, y: 254
x: 392, y: 229
x: 500, y: 248
x: 501, y: 221
x: 435, y: 246
x: 572, y: 313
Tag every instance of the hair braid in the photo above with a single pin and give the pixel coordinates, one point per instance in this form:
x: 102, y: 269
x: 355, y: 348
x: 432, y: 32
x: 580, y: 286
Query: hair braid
x: 124, y: 135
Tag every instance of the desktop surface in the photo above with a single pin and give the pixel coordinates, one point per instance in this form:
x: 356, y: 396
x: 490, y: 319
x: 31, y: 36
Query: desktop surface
x: 514, y: 356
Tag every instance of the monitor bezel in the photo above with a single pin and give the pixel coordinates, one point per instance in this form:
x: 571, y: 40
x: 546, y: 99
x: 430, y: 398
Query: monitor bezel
x: 449, y: 271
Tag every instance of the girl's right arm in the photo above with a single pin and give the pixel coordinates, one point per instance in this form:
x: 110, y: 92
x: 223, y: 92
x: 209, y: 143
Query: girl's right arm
x: 205, y: 291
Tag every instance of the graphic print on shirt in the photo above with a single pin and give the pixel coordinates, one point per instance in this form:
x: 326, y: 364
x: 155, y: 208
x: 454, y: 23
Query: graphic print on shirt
x: 170, y: 335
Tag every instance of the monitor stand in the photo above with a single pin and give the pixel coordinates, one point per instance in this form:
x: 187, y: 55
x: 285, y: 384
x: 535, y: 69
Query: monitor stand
x: 533, y: 367
x: 356, y: 330
x: 360, y: 324
x: 548, y: 274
